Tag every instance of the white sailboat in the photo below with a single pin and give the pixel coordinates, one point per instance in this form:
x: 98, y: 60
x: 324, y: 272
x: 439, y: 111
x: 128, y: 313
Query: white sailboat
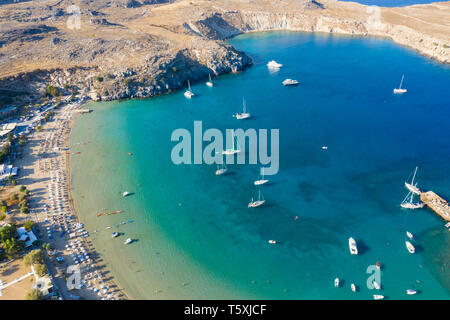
x: 209, y: 83
x: 353, y: 287
x: 233, y: 150
x: 222, y: 169
x: 128, y: 241
x: 411, y: 292
x: 257, y: 203
x: 408, y: 202
x: 400, y: 90
x: 411, y: 186
x: 262, y: 180
x: 189, y: 94
x: 378, y: 297
x: 410, y: 247
x: 244, y: 114
x: 352, y: 246
x: 126, y: 193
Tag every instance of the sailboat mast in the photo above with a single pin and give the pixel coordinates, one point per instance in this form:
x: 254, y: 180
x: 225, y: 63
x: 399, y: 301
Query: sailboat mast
x: 244, y: 106
x: 401, y: 82
x: 414, y: 176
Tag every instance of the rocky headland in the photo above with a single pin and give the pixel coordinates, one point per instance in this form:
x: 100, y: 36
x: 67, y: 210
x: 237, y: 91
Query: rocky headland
x: 120, y: 49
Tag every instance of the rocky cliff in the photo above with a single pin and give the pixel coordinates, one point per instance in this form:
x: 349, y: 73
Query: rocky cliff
x: 125, y: 49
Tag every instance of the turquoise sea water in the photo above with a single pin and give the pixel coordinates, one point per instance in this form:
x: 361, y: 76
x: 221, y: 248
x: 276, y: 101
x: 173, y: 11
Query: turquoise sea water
x: 196, y: 237
x: 392, y: 3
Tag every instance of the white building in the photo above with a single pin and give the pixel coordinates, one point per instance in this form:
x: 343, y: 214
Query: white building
x: 6, y: 171
x: 27, y: 236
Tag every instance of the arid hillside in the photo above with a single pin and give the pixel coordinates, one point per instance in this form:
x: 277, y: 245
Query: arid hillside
x: 138, y: 48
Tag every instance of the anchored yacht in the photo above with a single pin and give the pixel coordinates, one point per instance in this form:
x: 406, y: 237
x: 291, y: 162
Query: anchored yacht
x: 352, y: 246
x: 400, y: 90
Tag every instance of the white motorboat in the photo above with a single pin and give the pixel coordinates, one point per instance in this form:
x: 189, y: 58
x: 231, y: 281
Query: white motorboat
x: 411, y: 292
x: 410, y: 247
x: 126, y: 193
x: 352, y: 246
x: 244, y: 114
x: 324, y: 148
x: 336, y: 282
x: 129, y: 240
x: 233, y: 150
x: 409, y: 235
x: 376, y: 285
x: 257, y: 203
x: 274, y: 65
x: 400, y: 90
x: 353, y: 287
x: 411, y: 186
x: 290, y: 82
x: 222, y: 169
x: 209, y: 83
x: 262, y: 180
x: 447, y: 225
x: 115, y: 234
x: 272, y: 241
x: 378, y: 297
x: 188, y: 93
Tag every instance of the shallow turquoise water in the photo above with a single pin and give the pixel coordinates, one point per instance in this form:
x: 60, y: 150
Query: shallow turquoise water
x: 193, y: 227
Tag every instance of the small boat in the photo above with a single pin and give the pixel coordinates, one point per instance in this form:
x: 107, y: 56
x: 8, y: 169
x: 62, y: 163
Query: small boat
x: 233, y: 150
x: 257, y: 203
x: 209, y: 83
x: 353, y: 287
x: 352, y: 246
x: 447, y: 225
x: 409, y: 235
x: 376, y: 285
x: 411, y: 186
x: 244, y: 114
x: 408, y: 202
x: 188, y: 93
x: 378, y: 297
x: 411, y: 292
x: 126, y: 193
x: 115, y: 234
x: 129, y: 240
x: 262, y: 180
x: 336, y: 282
x: 290, y: 82
x: 272, y: 241
x: 410, y: 247
x: 324, y: 148
x: 274, y: 65
x: 400, y: 90
x: 221, y: 170
x: 378, y: 265
x: 108, y: 228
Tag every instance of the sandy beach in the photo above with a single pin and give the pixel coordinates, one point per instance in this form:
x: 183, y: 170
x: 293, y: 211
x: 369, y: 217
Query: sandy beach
x: 45, y: 170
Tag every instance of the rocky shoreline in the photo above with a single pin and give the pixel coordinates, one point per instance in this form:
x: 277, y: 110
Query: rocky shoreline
x: 150, y: 49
